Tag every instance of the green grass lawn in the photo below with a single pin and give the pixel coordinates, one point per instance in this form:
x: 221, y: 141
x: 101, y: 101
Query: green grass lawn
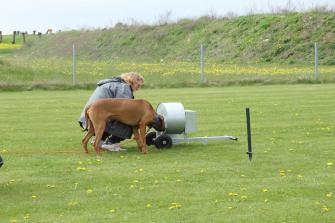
x: 48, y: 178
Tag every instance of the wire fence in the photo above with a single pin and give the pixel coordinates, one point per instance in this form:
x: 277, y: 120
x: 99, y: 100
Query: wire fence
x: 206, y: 72
x: 78, y: 72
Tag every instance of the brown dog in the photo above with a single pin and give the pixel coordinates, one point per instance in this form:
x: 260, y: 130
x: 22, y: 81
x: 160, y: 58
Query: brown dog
x: 137, y: 113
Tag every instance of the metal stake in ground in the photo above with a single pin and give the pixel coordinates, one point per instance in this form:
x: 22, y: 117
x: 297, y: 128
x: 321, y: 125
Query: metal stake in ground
x: 1, y: 161
x: 247, y: 112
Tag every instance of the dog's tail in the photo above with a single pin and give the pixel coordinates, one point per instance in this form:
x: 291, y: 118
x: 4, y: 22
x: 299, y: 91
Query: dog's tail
x: 87, y: 118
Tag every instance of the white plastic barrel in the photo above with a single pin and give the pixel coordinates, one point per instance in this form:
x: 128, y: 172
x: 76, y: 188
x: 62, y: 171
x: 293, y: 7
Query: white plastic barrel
x: 174, y: 117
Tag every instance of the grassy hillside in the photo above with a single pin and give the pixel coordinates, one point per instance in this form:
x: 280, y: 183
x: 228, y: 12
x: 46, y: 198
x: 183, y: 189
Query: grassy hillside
x: 280, y: 38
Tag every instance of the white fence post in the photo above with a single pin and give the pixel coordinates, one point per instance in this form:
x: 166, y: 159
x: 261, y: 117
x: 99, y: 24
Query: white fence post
x: 74, y: 64
x: 316, y: 69
x: 202, y: 67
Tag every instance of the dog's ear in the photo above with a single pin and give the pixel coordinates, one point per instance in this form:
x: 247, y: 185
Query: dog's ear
x: 161, y: 121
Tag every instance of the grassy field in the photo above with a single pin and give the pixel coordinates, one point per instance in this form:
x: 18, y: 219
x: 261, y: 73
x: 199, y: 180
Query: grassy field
x: 29, y: 73
x: 48, y: 178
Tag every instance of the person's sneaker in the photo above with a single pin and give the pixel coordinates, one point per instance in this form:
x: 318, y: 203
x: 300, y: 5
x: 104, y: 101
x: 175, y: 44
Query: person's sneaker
x: 112, y: 147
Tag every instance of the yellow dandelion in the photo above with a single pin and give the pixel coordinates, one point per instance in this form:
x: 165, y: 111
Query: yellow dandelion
x: 233, y: 194
x: 72, y: 203
x: 4, y: 151
x: 33, y: 196
x: 112, y: 211
x: 330, y: 194
x: 282, y: 173
x: 13, y: 221
x: 149, y: 206
x: 265, y: 190
x: 325, y: 209
x: 330, y: 164
x: 140, y: 170
x: 175, y: 205
x: 88, y: 191
x: 135, y: 181
x: 26, y: 216
x: 50, y: 186
x: 79, y: 168
x: 244, y: 197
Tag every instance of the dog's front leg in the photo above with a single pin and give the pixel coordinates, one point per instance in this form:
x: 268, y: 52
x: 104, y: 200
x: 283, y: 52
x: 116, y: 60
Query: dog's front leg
x: 137, y: 138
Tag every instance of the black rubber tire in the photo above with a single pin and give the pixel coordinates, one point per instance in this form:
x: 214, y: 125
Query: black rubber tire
x: 150, y: 138
x: 163, y: 141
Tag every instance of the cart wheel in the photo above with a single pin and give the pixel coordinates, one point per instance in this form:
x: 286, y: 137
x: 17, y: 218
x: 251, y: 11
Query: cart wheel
x: 150, y: 138
x: 163, y: 141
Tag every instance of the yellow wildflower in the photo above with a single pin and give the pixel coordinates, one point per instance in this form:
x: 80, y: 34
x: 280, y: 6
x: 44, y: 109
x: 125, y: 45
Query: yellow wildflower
x: 244, y: 197
x: 26, y: 216
x: 325, y: 209
x: 73, y: 203
x: 233, y: 194
x: 79, y: 168
x: 175, y: 206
